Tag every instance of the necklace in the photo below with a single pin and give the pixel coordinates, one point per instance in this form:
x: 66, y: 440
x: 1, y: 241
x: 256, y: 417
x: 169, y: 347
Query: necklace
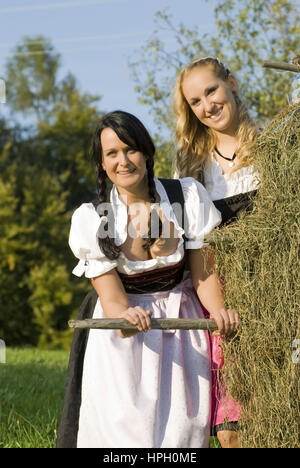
x: 231, y: 160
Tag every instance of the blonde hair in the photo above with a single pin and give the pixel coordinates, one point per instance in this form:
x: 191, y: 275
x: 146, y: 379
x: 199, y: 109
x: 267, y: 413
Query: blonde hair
x: 195, y: 140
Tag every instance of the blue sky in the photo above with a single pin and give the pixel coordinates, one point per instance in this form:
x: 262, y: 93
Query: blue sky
x: 96, y: 38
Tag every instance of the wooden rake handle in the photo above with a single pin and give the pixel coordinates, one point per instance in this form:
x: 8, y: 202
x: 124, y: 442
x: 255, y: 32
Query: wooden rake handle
x: 156, y: 324
x: 282, y: 66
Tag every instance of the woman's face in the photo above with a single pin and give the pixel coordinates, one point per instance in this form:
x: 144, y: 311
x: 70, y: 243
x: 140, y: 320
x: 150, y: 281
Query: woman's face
x: 124, y: 165
x: 211, y: 99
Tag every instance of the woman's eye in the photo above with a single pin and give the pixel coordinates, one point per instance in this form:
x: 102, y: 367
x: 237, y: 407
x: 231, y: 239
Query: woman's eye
x: 131, y: 151
x: 212, y: 90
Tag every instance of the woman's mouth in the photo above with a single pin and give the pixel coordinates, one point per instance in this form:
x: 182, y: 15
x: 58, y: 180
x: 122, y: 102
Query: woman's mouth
x: 216, y: 115
x: 127, y: 172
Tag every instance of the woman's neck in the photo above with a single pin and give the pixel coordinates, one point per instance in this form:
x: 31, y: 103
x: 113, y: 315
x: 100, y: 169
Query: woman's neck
x: 227, y: 142
x: 226, y: 147
x: 139, y: 194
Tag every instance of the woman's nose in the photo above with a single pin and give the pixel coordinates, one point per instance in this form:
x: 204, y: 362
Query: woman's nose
x: 123, y: 158
x: 207, y: 105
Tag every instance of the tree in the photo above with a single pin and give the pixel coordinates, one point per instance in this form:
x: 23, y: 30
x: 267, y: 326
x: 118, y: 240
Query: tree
x: 45, y: 172
x: 164, y: 153
x: 62, y: 118
x: 15, y: 314
x: 31, y: 76
x: 64, y: 141
x: 246, y: 33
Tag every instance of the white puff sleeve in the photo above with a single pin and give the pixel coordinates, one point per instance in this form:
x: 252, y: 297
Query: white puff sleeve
x: 201, y: 215
x: 84, y: 243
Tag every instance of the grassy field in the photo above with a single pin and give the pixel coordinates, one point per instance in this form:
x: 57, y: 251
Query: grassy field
x: 31, y: 393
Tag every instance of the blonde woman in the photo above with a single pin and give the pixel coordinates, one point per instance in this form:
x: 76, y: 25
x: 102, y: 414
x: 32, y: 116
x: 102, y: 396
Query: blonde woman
x: 216, y: 136
x: 216, y: 139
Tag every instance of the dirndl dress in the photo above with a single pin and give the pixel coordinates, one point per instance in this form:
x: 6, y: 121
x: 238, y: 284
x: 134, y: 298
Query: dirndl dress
x: 152, y: 390
x: 233, y: 195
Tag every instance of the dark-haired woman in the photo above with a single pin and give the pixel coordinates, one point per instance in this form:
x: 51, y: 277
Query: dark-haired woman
x: 152, y: 388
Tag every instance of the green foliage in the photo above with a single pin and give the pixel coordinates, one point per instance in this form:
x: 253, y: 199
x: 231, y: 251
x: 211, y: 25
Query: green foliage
x: 64, y: 141
x: 45, y: 173
x: 52, y: 291
x: 164, y: 155
x: 32, y: 76
x: 15, y: 313
x: 258, y: 31
x: 45, y: 168
x: 246, y: 33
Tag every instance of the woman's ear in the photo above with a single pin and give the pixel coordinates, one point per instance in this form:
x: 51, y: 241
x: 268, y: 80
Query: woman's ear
x: 233, y: 83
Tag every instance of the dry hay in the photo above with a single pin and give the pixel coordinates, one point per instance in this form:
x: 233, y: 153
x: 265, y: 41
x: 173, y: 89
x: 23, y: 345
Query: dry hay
x: 259, y: 257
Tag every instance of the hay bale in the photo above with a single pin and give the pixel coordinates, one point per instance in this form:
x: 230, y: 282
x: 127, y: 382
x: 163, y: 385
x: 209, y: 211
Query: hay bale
x: 259, y: 257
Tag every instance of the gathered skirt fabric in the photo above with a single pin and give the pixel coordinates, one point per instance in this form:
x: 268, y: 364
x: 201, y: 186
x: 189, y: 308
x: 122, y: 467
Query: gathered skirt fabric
x: 224, y: 408
x: 151, y: 390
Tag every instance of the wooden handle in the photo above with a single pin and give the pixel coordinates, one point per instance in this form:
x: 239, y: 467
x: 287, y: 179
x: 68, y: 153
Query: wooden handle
x: 156, y: 324
x: 282, y: 66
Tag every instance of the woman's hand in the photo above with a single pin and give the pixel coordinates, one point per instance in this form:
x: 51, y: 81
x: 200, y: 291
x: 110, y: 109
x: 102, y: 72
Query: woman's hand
x: 227, y: 320
x: 138, y: 317
x: 115, y: 303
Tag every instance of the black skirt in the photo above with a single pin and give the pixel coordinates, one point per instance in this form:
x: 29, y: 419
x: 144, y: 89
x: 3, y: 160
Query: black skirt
x: 68, y: 427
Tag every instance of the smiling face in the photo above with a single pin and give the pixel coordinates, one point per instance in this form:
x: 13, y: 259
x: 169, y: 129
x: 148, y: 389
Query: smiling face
x: 124, y: 165
x: 211, y: 99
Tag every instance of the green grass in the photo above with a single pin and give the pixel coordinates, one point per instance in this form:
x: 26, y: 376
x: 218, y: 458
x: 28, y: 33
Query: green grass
x: 31, y: 392
x: 32, y: 386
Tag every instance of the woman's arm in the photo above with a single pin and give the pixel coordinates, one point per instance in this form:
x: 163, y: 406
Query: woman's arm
x: 115, y: 303
x: 209, y: 290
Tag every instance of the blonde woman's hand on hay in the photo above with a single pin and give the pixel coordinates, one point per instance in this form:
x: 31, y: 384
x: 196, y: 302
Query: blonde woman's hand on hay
x: 227, y: 320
